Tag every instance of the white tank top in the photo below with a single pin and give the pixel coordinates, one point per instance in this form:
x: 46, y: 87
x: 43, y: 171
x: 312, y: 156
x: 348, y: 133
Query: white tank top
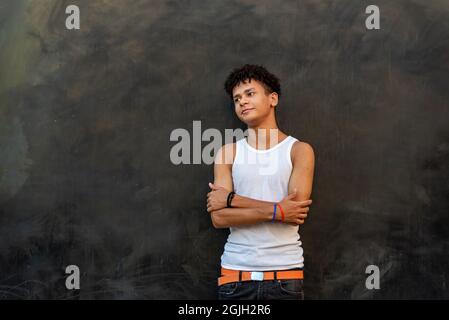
x: 263, y: 175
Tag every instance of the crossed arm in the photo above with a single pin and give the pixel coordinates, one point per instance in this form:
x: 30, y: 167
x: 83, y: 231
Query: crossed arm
x: 247, y: 211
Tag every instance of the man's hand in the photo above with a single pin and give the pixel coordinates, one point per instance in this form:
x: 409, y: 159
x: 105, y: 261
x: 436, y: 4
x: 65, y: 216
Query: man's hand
x: 295, y: 211
x: 216, y: 199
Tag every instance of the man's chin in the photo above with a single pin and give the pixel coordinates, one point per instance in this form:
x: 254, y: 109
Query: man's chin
x: 250, y: 121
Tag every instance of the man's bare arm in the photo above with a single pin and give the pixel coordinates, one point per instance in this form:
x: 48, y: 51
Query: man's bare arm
x: 245, y: 202
x: 295, y: 211
x: 226, y: 217
x: 218, y: 196
x: 231, y: 217
x: 301, y: 179
x: 303, y: 160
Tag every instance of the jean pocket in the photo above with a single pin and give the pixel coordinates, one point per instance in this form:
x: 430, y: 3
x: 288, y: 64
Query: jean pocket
x: 291, y: 286
x: 229, y: 288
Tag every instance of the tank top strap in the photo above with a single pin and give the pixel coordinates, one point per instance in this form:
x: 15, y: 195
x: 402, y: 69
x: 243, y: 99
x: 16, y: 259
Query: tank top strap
x: 289, y: 149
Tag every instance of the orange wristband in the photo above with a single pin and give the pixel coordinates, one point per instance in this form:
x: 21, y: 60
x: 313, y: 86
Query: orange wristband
x: 282, y: 212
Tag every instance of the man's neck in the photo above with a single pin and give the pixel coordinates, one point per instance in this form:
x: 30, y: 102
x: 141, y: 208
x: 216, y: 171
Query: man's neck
x: 265, y: 136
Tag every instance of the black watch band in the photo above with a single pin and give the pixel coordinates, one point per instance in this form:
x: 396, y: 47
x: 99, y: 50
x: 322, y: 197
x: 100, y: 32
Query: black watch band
x: 229, y: 200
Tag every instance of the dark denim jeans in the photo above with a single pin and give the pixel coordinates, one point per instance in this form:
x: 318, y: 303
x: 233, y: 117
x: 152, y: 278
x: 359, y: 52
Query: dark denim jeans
x: 262, y: 290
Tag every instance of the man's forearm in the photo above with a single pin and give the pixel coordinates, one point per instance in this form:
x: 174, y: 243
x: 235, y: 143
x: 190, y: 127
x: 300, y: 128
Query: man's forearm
x: 231, y: 217
x: 245, y: 202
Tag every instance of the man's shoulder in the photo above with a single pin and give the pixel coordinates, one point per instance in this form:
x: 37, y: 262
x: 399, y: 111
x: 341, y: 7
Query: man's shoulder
x: 226, y: 154
x: 228, y: 147
x: 302, y: 150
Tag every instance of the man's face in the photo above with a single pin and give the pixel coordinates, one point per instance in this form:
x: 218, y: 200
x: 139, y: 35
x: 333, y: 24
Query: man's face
x: 251, y: 101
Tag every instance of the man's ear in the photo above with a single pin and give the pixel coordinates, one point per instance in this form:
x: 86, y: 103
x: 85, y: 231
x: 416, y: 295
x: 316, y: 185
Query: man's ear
x: 274, y: 99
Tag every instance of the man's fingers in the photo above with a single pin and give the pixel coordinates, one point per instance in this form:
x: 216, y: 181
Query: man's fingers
x: 212, y: 186
x: 306, y: 202
x: 215, y: 187
x: 210, y: 194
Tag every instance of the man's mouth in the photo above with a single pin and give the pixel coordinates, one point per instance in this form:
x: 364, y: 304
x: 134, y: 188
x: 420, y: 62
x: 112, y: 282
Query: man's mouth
x: 247, y: 110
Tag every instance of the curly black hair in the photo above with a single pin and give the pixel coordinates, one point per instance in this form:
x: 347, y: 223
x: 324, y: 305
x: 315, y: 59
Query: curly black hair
x: 256, y: 72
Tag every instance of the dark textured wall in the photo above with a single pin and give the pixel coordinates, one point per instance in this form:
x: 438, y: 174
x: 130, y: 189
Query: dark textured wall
x: 86, y: 116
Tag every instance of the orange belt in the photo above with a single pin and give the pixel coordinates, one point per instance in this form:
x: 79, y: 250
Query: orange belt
x: 228, y: 276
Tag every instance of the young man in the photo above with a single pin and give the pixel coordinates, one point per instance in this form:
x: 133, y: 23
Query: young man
x: 261, y: 190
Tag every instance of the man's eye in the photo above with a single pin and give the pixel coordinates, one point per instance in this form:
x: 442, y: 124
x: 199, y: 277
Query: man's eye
x: 250, y: 93
x: 236, y: 100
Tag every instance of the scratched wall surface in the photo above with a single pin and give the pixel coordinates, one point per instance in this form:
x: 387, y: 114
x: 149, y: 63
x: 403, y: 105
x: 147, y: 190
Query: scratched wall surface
x: 86, y: 116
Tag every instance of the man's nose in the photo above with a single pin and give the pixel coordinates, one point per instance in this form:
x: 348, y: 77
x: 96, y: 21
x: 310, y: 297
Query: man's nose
x: 243, y: 101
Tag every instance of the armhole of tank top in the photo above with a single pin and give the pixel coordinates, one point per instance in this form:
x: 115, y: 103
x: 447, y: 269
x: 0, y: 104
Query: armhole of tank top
x: 289, y: 153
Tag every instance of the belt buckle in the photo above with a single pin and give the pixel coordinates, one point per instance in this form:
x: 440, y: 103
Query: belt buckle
x: 257, y: 276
